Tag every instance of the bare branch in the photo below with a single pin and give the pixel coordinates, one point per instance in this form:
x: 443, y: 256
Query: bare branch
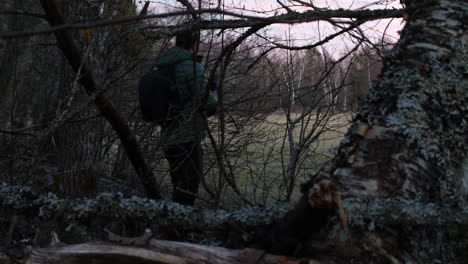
x: 21, y: 13
x: 243, y: 21
x: 285, y: 6
x: 323, y: 41
x: 144, y: 10
x: 189, y: 8
x: 309, y: 4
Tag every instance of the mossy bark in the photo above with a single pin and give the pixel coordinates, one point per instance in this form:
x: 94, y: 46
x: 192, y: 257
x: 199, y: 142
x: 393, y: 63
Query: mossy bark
x: 407, y: 144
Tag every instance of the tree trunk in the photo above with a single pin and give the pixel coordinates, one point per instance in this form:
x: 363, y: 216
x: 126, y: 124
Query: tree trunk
x: 407, y: 146
x: 88, y: 80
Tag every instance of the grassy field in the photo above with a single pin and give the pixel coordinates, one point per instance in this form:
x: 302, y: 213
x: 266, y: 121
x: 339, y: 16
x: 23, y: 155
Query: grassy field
x: 259, y: 153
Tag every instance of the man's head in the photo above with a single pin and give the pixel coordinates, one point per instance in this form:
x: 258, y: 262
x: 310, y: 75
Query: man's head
x: 187, y: 39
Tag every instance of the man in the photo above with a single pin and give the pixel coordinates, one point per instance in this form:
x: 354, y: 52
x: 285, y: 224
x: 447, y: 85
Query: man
x: 181, y: 136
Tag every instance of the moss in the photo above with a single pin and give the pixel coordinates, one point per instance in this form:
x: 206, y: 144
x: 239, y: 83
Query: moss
x: 422, y: 227
x: 371, y: 213
x: 78, y: 213
x: 423, y: 93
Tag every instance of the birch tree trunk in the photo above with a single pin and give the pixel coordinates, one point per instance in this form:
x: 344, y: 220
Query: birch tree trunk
x: 407, y: 147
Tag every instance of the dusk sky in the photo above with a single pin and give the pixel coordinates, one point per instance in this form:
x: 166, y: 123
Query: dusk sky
x: 308, y: 33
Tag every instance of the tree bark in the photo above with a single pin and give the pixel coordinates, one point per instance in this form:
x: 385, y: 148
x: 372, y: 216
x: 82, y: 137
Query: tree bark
x: 87, y: 79
x: 408, y: 145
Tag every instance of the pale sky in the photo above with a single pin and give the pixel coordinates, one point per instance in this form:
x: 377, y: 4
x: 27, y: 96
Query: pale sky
x: 310, y: 32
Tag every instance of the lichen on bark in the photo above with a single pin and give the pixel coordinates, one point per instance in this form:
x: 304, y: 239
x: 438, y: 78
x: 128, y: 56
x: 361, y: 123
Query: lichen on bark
x: 77, y: 215
x: 407, y: 147
x: 423, y: 91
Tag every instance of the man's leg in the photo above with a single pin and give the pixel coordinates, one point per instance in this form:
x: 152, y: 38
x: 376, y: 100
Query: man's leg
x: 175, y: 155
x: 194, y: 171
x: 185, y: 161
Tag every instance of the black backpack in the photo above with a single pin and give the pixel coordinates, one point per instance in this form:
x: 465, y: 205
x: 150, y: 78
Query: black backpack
x: 158, y: 95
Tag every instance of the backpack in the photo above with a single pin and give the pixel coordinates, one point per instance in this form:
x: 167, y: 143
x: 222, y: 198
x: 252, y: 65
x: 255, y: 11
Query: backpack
x: 158, y: 95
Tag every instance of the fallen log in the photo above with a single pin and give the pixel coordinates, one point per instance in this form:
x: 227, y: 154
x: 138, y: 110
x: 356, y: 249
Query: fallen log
x: 4, y: 259
x: 156, y: 251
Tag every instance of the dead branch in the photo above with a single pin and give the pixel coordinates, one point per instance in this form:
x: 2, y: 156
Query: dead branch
x: 157, y: 251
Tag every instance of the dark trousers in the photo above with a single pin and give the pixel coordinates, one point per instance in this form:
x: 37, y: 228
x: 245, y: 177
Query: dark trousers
x: 185, y: 164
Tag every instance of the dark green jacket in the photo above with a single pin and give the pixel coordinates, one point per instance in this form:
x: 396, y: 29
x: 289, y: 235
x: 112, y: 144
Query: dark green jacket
x: 192, y: 87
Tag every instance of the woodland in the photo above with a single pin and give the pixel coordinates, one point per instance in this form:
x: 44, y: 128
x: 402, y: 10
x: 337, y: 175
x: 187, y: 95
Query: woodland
x: 353, y: 153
